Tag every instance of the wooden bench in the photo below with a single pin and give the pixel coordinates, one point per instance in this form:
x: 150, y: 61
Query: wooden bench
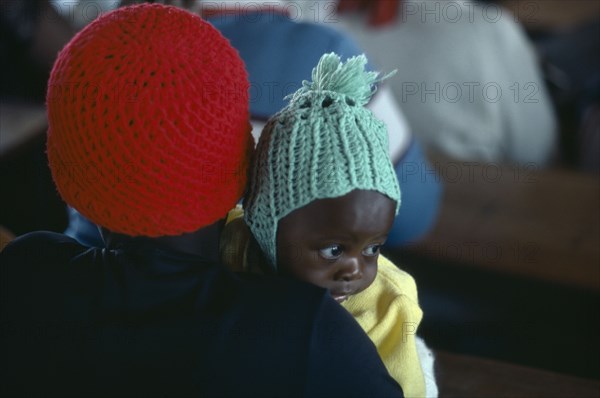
x: 543, y: 225
x: 19, y: 125
x: 511, y: 269
x: 465, y: 376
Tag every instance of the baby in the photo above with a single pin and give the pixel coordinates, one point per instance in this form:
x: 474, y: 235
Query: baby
x: 322, y: 198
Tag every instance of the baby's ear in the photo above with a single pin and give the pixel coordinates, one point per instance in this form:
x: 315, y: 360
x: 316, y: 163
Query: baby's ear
x: 233, y: 242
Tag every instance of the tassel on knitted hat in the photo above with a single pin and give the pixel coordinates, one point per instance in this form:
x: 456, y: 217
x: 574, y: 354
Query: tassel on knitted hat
x: 349, y: 78
x: 148, y: 122
x: 324, y: 144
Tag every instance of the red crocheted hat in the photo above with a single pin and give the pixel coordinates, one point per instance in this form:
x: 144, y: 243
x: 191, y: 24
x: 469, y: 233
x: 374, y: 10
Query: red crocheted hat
x: 148, y: 117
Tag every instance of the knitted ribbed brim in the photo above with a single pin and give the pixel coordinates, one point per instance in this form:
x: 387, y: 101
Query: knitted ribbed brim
x: 325, y: 144
x: 148, y: 122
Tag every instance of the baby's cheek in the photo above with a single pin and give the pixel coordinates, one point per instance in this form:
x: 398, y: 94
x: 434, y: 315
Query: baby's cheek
x: 370, y: 274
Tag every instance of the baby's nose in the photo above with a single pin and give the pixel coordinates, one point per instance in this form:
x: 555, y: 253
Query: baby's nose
x: 351, y: 270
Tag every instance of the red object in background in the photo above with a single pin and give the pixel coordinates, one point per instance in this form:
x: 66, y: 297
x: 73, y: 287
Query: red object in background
x: 380, y: 12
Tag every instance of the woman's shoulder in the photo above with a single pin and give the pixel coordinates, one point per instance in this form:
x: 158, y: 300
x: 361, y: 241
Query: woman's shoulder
x: 40, y: 246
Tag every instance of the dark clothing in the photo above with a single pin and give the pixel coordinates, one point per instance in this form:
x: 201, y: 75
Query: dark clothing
x: 143, y: 321
x: 21, y: 77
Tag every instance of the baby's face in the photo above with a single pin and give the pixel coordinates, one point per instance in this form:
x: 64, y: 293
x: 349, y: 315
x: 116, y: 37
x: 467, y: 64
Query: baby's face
x: 334, y: 243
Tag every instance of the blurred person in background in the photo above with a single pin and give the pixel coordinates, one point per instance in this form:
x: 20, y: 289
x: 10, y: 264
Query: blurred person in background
x: 468, y: 80
x: 31, y: 34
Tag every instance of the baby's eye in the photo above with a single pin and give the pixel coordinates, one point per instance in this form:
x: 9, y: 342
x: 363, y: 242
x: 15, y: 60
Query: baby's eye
x: 372, y: 250
x: 331, y: 252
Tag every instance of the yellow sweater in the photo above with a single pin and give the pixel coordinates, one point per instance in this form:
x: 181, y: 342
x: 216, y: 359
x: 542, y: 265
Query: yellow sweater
x: 388, y: 310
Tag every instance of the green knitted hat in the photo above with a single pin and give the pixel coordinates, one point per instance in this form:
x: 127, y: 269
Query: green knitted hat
x: 324, y: 144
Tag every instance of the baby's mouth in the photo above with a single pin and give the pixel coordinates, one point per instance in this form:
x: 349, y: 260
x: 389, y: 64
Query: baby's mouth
x: 340, y: 297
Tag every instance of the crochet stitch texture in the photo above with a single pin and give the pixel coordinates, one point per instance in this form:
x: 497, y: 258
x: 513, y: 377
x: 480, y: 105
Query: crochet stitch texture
x: 148, y: 122
x: 324, y: 144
